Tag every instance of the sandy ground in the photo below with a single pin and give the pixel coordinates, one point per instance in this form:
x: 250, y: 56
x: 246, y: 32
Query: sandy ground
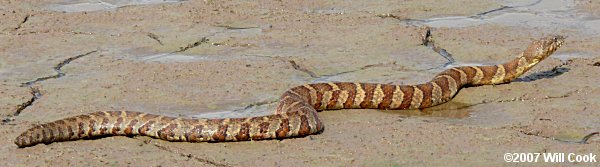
x: 231, y: 58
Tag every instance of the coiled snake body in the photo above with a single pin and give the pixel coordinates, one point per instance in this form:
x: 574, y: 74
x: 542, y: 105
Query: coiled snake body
x: 296, y: 113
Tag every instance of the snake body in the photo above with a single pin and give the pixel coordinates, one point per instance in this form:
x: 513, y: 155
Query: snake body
x: 296, y: 113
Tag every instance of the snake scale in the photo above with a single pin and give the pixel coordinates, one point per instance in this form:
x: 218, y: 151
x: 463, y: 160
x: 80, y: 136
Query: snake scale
x: 296, y: 112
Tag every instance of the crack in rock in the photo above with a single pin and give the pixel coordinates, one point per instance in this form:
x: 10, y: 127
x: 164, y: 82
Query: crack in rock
x: 587, y: 137
x: 236, y: 27
x: 427, y: 41
x: 522, y: 99
x: 303, y: 69
x: 57, y: 69
x: 181, y: 49
x: 20, y: 25
x: 69, y: 60
x: 327, y: 76
x: 584, y: 140
x: 480, y: 16
x: 568, y: 94
x: 190, y: 156
x: 257, y: 104
x: 155, y: 37
x: 324, y: 77
x: 193, y: 45
x: 35, y: 92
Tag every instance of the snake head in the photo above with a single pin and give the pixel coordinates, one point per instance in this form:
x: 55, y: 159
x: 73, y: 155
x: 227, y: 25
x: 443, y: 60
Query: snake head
x: 542, y: 48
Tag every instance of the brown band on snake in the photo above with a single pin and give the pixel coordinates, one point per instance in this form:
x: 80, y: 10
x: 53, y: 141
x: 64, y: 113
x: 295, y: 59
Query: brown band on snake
x: 388, y: 93
x: 333, y: 102
x: 351, y: 91
x: 408, y: 92
x: 296, y: 113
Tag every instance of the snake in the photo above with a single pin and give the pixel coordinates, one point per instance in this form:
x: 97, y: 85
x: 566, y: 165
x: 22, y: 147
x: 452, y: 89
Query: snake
x: 295, y: 114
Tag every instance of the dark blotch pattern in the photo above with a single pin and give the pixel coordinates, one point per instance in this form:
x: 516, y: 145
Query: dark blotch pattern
x: 284, y: 128
x: 167, y: 132
x: 129, y: 129
x: 244, y: 133
x: 195, y: 135
x: 221, y: 133
x: 304, y: 126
